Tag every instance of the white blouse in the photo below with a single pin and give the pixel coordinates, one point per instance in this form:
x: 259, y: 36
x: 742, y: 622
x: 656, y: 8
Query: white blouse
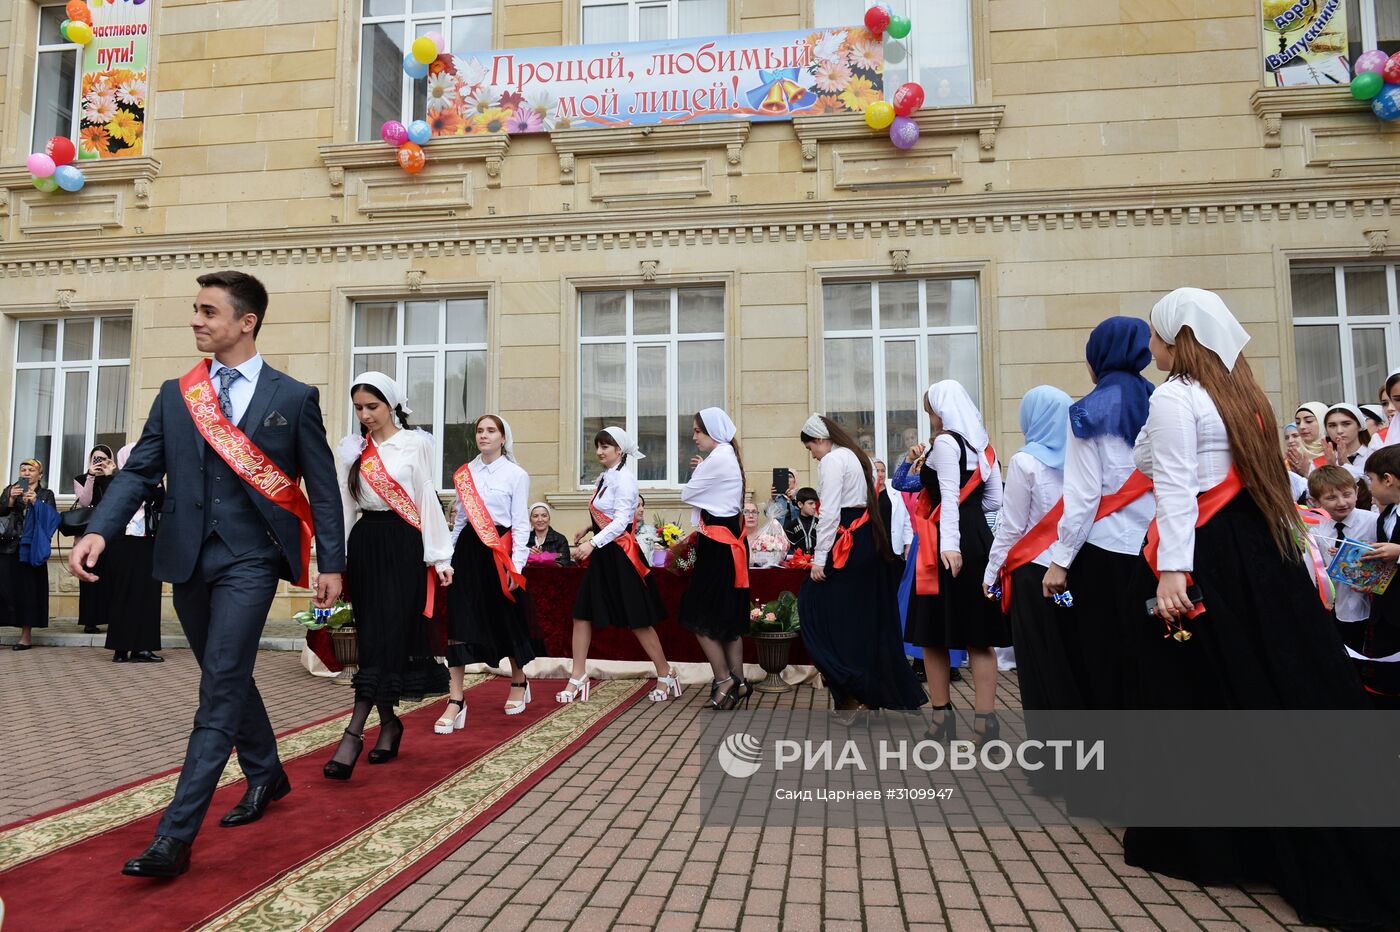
x: 717, y: 485
x: 505, y: 491
x: 841, y: 483
x: 408, y: 456
x: 618, y: 500
x: 949, y: 458
x: 1095, y: 468
x: 1032, y: 489
x: 1185, y: 449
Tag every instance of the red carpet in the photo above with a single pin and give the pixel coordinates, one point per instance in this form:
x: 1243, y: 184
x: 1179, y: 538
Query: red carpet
x: 328, y: 854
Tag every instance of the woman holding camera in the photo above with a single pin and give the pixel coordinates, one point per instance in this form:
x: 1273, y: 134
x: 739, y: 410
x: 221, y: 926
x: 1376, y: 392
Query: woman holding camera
x: 94, y: 607
x: 24, y: 589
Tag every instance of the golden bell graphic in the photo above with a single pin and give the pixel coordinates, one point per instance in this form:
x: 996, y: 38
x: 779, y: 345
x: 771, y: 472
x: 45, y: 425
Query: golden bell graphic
x: 780, y: 97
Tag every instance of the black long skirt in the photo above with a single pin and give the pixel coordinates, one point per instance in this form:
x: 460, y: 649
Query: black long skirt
x: 711, y: 604
x: 850, y: 626
x: 1264, y: 642
x: 133, y: 622
x: 960, y: 616
x: 1107, y: 602
x: 1043, y: 632
x: 483, y: 625
x: 613, y: 595
x: 95, y: 602
x: 24, y: 593
x: 387, y: 584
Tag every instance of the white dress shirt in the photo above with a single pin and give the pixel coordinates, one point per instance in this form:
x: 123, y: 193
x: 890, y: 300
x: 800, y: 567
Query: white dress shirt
x: 841, y: 483
x: 716, y: 486
x: 1360, y: 525
x: 1095, y: 468
x: 1185, y: 449
x: 901, y: 527
x: 1385, y: 524
x: 505, y: 491
x: 949, y: 459
x: 240, y: 391
x: 618, y: 500
x: 408, y: 456
x: 1032, y: 489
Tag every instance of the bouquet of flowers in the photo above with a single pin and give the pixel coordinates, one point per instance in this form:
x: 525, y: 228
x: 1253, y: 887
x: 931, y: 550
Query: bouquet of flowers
x: 339, y: 616
x: 769, y: 546
x: 777, y: 615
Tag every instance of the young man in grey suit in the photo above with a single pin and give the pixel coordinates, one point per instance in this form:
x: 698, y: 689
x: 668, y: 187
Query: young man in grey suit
x: 224, y: 544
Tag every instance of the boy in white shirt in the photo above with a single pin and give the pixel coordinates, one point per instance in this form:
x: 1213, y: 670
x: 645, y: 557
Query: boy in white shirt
x: 1333, y: 489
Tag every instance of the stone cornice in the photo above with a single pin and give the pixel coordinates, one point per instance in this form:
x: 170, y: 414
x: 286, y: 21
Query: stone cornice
x: 887, y: 216
x: 942, y: 121
x: 139, y: 171
x: 1274, y: 104
x: 572, y: 143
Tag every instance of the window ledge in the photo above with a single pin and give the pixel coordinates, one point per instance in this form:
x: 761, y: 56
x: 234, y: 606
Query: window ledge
x: 380, y: 185
x: 99, y: 206
x: 1274, y: 104
x: 729, y: 135
x: 939, y: 121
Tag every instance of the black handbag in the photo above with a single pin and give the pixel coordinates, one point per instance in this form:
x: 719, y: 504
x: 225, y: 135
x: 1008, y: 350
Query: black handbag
x: 74, y: 521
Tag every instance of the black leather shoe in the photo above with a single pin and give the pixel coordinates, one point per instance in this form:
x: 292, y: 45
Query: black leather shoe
x: 955, y: 675
x: 119, y: 656
x: 255, y: 801
x: 165, y: 857
x: 145, y: 656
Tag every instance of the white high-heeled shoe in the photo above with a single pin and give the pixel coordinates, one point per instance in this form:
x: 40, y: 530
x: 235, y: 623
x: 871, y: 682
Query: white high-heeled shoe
x: 516, y: 706
x: 667, y: 686
x: 579, y: 692
x: 449, y: 723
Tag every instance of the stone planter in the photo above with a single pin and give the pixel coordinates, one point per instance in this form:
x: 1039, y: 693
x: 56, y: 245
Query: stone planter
x: 347, y: 652
x: 773, y: 650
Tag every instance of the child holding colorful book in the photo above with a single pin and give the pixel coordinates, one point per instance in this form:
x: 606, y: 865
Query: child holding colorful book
x: 1333, y: 490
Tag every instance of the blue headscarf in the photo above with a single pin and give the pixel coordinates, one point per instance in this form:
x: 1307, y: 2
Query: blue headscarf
x: 1117, y: 352
x: 1045, y: 422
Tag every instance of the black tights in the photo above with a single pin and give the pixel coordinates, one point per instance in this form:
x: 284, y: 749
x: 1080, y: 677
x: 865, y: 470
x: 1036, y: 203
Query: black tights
x: 726, y: 658
x: 389, y: 727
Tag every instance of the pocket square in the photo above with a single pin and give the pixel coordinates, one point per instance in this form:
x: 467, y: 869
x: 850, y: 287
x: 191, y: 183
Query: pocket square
x: 275, y: 419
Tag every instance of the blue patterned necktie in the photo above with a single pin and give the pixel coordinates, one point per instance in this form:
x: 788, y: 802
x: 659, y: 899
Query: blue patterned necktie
x: 227, y: 377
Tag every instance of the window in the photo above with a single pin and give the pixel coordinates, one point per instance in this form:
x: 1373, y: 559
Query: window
x: 436, y: 350
x: 937, y: 53
x: 56, y: 66
x: 387, y: 30
x: 649, y: 359
x: 884, y: 343
x: 1346, y: 331
x: 70, y: 392
x: 647, y: 20
x: 1372, y: 24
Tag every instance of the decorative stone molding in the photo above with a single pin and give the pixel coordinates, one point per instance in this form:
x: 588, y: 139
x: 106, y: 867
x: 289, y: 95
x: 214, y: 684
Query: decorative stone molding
x: 414, y: 278
x: 649, y: 267
x: 899, y: 260
x: 112, y: 185
x: 1377, y: 240
x: 4, y: 202
x: 369, y: 172
x: 615, y: 140
x: 64, y: 297
x: 941, y: 121
x: 1274, y: 104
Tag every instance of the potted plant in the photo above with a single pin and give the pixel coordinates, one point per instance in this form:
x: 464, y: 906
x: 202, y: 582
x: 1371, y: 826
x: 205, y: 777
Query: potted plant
x: 773, y: 627
x: 339, y: 622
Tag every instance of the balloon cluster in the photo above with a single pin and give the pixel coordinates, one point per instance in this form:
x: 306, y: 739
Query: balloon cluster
x: 53, y: 169
x: 77, y: 28
x: 1378, y: 80
x: 422, y: 53
x: 896, y: 114
x: 409, y: 140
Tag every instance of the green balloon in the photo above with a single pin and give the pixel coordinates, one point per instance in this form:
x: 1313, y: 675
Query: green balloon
x: 63, y: 30
x: 1368, y: 85
x: 899, y: 27
x: 47, y: 185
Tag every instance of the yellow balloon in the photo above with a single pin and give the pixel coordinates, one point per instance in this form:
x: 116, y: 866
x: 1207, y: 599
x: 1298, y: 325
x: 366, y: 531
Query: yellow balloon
x: 79, y: 33
x: 1296, y: 14
x: 424, y: 50
x: 879, y: 115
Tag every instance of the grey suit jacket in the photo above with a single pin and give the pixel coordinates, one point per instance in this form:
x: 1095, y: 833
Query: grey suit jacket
x: 172, y: 447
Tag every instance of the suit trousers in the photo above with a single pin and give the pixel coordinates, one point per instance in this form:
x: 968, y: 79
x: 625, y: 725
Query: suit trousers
x: 222, y: 609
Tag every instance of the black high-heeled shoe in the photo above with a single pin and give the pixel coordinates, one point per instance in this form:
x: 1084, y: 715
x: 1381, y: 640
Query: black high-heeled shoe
x: 991, y: 727
x: 945, y: 730
x: 743, y: 690
x: 722, y: 700
x: 383, y: 755
x: 335, y: 770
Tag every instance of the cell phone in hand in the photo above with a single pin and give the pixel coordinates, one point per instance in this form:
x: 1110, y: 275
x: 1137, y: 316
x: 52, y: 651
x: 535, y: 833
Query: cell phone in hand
x: 23, y: 484
x: 1192, y: 592
x: 780, y: 480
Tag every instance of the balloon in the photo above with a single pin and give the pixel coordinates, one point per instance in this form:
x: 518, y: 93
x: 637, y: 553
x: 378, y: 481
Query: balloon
x: 394, y: 133
x: 1386, y: 104
x: 419, y: 132
x: 414, y: 68
x: 61, y: 150
x: 879, y: 115
x: 904, y: 132
x: 877, y: 19
x: 79, y: 32
x: 411, y: 158
x: 1366, y: 85
x: 1391, y: 71
x: 63, y: 29
x: 899, y: 26
x: 895, y: 53
x: 69, y: 178
x: 40, y: 165
x: 1372, y: 62
x: 1284, y: 16
x: 47, y: 185
x: 78, y: 11
x: 424, y: 50
x: 437, y: 38
x: 908, y: 98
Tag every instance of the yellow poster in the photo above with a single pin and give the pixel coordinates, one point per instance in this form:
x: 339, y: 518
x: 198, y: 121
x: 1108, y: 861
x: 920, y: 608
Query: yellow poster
x: 1305, y: 43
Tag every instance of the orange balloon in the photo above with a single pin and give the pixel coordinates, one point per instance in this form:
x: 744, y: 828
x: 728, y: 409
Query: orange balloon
x: 78, y: 11
x: 411, y: 158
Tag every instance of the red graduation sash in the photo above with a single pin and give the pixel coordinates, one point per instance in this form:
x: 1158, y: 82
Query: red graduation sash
x: 627, y: 540
x: 723, y: 535
x: 1208, y: 505
x: 242, y: 456
x: 924, y: 517
x: 376, y: 474
x: 841, y: 550
x: 480, y: 519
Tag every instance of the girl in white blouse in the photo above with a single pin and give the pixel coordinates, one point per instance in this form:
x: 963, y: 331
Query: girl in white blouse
x: 617, y: 590
x: 387, y: 479
x: 487, y: 612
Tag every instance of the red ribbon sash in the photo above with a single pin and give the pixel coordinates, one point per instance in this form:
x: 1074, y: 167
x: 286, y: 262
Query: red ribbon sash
x: 841, y: 550
x: 480, y: 519
x: 1208, y: 505
x: 376, y: 474
x: 723, y: 535
x: 925, y: 517
x: 252, y: 465
x: 627, y: 540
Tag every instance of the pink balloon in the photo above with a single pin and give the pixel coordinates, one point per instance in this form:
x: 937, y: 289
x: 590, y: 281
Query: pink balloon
x: 394, y: 133
x: 437, y: 40
x: 904, y: 132
x: 40, y: 165
x: 1371, y: 62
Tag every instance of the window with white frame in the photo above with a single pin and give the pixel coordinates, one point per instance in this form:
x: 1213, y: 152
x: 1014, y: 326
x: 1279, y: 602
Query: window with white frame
x: 435, y: 349
x: 1372, y: 24
x: 387, y: 31
x: 70, y: 391
x: 57, y: 63
x: 1346, y: 331
x: 884, y: 343
x: 649, y: 359
x: 937, y: 53
x: 648, y: 20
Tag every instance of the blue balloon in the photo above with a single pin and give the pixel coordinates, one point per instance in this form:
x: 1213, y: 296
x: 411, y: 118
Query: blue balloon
x: 420, y: 132
x: 1386, y: 104
x: 69, y: 178
x: 414, y: 68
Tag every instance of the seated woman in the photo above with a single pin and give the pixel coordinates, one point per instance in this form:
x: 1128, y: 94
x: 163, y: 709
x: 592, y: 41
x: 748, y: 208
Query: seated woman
x: 543, y: 537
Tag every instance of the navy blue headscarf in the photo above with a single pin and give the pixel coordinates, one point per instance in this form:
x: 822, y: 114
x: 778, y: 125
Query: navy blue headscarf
x: 1117, y: 352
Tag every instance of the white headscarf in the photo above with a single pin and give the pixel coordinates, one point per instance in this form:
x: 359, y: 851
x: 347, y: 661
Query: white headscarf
x: 718, y: 425
x: 625, y: 442
x: 816, y: 427
x: 954, y: 407
x: 1209, y: 319
x: 549, y: 511
x: 1351, y: 410
x: 387, y: 387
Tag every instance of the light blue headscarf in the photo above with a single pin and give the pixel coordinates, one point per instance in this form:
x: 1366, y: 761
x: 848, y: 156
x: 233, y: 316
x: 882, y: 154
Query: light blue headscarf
x: 1045, y: 422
